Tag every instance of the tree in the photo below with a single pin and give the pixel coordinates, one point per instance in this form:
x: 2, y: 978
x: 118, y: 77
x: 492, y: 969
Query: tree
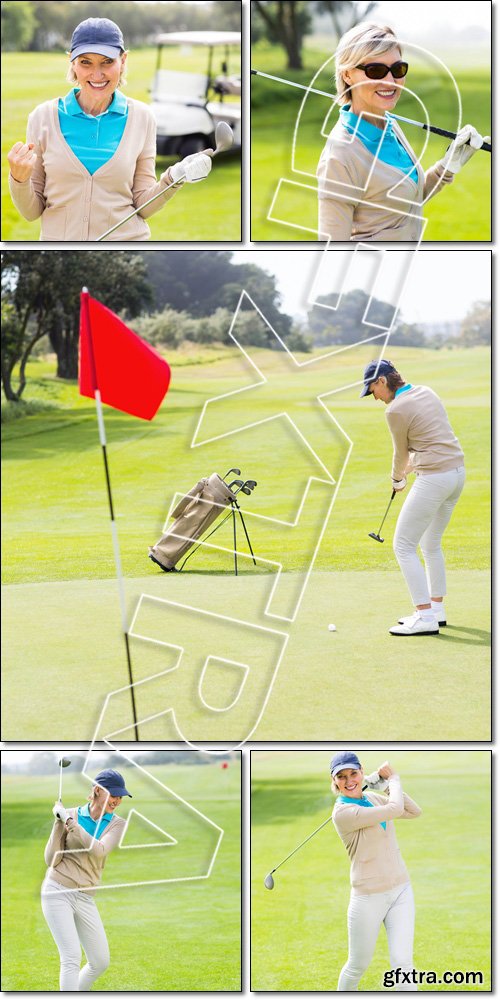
x: 345, y: 326
x: 476, y: 325
x: 286, y: 22
x: 25, y: 311
x: 47, y: 284
x: 18, y: 25
x: 345, y: 14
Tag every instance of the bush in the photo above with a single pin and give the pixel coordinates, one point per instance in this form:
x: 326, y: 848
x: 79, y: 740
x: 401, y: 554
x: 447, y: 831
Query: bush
x: 25, y: 408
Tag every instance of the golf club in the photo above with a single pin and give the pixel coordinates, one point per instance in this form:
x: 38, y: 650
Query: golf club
x: 237, y: 471
x: 64, y: 762
x: 235, y: 482
x: 409, y: 121
x: 376, y: 536
x: 223, y: 141
x: 269, y: 881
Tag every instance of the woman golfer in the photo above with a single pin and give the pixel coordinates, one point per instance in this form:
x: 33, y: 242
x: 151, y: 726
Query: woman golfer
x: 424, y: 443
x: 76, y: 853
x: 370, y: 184
x: 381, y: 889
x: 89, y: 158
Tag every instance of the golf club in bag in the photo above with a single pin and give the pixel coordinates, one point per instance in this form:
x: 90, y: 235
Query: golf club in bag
x: 64, y: 762
x: 374, y: 782
x: 195, y: 513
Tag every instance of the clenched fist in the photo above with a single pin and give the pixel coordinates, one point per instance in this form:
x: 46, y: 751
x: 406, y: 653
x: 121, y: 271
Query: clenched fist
x: 385, y: 770
x: 22, y: 159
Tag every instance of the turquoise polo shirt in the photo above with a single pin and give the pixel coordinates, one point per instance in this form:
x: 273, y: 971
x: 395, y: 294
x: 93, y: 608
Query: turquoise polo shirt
x: 360, y: 802
x: 391, y: 150
x: 90, y: 825
x: 92, y: 138
x: 403, y: 388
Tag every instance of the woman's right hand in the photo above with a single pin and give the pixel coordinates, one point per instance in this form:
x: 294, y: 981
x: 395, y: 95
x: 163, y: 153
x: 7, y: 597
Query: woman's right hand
x: 22, y: 161
x: 386, y: 771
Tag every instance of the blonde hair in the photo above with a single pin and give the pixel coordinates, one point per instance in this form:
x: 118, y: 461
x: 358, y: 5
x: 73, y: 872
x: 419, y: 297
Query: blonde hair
x: 366, y: 41
x: 122, y: 82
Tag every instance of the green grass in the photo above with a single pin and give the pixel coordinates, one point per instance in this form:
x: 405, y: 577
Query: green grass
x: 461, y: 212
x: 29, y: 78
x: 174, y: 937
x: 60, y: 589
x: 299, y: 933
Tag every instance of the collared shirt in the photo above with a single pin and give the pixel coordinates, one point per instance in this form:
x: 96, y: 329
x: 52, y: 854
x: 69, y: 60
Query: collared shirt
x: 389, y: 151
x: 92, y: 826
x: 359, y: 802
x: 403, y: 388
x: 93, y: 138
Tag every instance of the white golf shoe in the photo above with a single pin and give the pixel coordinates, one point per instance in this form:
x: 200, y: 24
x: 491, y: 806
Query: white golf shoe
x: 416, y: 625
x: 408, y: 618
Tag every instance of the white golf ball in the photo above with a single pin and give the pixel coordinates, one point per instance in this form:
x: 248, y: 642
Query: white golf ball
x: 332, y: 628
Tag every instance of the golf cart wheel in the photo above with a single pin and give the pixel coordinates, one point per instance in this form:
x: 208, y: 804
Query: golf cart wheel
x: 195, y: 144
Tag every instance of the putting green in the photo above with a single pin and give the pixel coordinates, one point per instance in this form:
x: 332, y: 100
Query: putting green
x: 175, y: 936
x: 299, y: 932
x: 72, y: 655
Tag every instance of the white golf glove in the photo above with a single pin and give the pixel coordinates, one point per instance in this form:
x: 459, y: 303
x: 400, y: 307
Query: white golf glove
x: 467, y: 143
x: 59, y: 812
x: 192, y: 168
x: 376, y: 783
x: 399, y: 484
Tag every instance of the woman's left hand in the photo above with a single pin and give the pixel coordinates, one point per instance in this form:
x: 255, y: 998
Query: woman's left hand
x: 192, y: 168
x: 399, y: 484
x: 467, y: 143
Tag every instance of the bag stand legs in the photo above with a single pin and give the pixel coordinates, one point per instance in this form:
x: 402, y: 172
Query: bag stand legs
x: 235, y: 508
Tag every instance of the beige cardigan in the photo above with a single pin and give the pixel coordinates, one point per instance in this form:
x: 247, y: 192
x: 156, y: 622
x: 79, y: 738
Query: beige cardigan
x: 423, y: 438
x: 80, y: 870
x: 376, y: 862
x: 75, y: 205
x: 353, y: 192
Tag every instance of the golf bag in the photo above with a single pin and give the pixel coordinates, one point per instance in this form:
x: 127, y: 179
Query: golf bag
x: 194, y: 513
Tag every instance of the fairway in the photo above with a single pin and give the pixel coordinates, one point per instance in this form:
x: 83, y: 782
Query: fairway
x: 299, y: 933
x: 62, y: 626
x: 462, y: 212
x: 29, y: 78
x: 177, y: 936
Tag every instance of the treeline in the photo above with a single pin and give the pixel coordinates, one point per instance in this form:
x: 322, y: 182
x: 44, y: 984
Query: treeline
x: 46, y: 761
x: 46, y: 25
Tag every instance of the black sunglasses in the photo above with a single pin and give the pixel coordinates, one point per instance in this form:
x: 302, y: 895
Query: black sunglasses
x: 377, y: 71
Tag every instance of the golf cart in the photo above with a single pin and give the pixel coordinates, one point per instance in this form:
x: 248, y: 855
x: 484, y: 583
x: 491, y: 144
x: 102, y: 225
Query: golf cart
x: 187, y: 105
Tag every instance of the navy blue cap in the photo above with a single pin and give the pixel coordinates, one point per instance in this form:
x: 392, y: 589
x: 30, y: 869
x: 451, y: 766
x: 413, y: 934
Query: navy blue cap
x: 97, y: 34
x: 346, y: 758
x: 113, y: 782
x: 372, y: 371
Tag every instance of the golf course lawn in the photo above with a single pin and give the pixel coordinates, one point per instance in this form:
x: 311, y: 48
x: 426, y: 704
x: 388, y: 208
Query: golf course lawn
x: 178, y: 936
x: 63, y: 647
x: 299, y: 932
x: 29, y: 78
x: 462, y: 212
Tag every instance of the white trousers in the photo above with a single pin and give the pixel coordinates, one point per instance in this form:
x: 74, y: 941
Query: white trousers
x: 424, y: 516
x: 365, y: 916
x: 75, y: 923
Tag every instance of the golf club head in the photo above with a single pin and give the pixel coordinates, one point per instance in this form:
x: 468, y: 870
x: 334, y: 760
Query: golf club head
x: 236, y: 482
x: 64, y: 762
x: 237, y: 472
x: 223, y: 137
x: 251, y: 483
x: 269, y: 882
x: 372, y: 534
x: 246, y: 491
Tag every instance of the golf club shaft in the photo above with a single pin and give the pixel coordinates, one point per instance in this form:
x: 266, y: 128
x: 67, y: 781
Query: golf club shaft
x: 136, y: 210
x: 323, y: 93
x: 387, y: 511
x: 60, y: 783
x: 329, y: 820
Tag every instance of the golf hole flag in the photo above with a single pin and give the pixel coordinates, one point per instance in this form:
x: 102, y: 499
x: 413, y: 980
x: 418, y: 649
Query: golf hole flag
x: 129, y: 374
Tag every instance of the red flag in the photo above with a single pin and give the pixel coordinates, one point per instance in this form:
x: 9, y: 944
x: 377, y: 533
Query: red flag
x: 130, y: 375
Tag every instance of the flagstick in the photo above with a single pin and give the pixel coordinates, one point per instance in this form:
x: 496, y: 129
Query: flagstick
x: 114, y: 536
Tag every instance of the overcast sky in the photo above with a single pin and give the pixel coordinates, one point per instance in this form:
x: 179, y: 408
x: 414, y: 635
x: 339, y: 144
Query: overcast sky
x: 442, y: 283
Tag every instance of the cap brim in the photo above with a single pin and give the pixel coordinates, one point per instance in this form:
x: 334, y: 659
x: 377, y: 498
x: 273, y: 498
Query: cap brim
x: 365, y: 392
x: 111, y: 51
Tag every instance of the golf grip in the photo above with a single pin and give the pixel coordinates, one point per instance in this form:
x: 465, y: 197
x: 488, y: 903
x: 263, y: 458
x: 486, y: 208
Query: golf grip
x: 452, y: 135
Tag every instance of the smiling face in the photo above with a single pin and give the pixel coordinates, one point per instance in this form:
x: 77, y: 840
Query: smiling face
x: 349, y: 782
x: 103, y: 798
x: 97, y: 76
x: 375, y: 97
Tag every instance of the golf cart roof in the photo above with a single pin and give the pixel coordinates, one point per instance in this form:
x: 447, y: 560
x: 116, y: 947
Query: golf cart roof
x: 208, y: 38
